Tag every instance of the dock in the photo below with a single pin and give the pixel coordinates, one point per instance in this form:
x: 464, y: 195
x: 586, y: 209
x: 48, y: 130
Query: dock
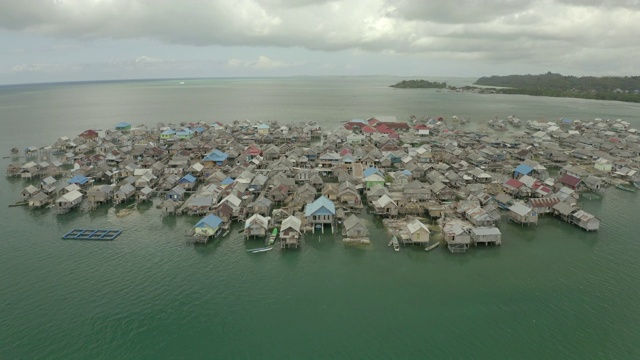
x: 92, y: 234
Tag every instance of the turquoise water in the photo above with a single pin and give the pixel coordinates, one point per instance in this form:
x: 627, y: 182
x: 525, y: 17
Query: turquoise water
x: 550, y: 291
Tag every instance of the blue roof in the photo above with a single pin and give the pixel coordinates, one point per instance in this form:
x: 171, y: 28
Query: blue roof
x: 78, y: 179
x: 227, y: 181
x: 406, y: 172
x: 359, y: 121
x: 523, y: 169
x: 211, y: 221
x: 566, y: 121
x: 198, y: 129
x: 321, y: 206
x: 216, y: 155
x: 168, y: 132
x: 264, y: 126
x: 184, y: 132
x: 372, y: 170
x: 188, y: 178
x: 122, y: 124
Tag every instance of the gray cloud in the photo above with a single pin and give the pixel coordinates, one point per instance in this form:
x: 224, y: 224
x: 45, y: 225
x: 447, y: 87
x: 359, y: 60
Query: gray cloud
x: 523, y: 31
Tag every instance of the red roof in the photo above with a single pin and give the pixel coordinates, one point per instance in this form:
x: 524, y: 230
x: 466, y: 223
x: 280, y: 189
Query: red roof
x: 345, y: 151
x: 384, y: 129
x: 395, y: 125
x: 569, y: 180
x: 514, y: 183
x: 369, y: 130
x: 373, y: 121
x: 421, y: 127
x: 252, y: 149
x: 89, y: 134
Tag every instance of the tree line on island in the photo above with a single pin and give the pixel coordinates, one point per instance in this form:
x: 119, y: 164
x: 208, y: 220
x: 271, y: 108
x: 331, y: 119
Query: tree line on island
x: 419, y: 84
x: 618, y: 88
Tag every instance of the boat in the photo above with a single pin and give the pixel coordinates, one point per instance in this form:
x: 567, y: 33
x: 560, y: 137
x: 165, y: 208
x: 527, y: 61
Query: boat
x: 625, y: 188
x: 431, y: 247
x: 272, y: 238
x: 395, y: 243
x: 259, y: 250
x: 636, y: 184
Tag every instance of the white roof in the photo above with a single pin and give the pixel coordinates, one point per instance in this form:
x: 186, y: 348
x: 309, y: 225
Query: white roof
x: 520, y: 209
x: 384, y: 201
x: 257, y: 219
x: 291, y: 222
x: 72, y: 196
x: 416, y: 225
x: 486, y: 231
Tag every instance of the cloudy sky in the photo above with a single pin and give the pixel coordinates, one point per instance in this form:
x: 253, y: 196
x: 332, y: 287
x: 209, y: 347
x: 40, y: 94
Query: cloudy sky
x: 68, y: 40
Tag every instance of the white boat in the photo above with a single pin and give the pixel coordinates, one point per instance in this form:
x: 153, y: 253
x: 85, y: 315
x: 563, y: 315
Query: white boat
x: 395, y: 243
x: 259, y: 250
x: 431, y: 247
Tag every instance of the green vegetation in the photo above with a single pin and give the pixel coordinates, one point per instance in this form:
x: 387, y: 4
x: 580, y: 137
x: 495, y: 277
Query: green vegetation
x: 419, y: 84
x: 587, y: 87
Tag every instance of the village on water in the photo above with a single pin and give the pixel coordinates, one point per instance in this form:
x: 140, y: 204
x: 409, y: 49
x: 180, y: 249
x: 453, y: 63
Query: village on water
x: 283, y: 182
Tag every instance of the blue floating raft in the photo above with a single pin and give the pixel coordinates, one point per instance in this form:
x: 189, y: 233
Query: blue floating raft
x: 92, y: 234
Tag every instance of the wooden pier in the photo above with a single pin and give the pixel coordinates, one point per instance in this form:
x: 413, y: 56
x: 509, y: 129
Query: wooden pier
x: 92, y: 234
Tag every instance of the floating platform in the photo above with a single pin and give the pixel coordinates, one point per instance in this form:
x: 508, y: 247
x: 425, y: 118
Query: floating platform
x: 92, y: 234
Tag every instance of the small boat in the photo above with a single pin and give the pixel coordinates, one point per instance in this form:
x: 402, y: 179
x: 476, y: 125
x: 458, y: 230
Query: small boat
x: 625, y: 188
x: 259, y: 250
x: 395, y: 243
x: 431, y: 247
x: 274, y: 234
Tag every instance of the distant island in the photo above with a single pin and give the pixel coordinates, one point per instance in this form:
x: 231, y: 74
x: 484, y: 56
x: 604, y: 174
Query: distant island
x: 419, y: 84
x: 617, y: 88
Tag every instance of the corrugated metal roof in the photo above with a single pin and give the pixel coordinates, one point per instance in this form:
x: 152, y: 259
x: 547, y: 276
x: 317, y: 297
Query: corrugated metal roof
x: 320, y: 203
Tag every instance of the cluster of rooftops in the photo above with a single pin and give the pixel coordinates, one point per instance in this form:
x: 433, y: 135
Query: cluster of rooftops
x: 404, y: 171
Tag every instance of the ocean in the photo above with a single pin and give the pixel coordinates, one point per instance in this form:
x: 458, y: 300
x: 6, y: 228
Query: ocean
x: 551, y: 291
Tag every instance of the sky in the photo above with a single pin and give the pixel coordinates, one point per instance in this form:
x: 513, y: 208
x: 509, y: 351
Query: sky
x: 77, y: 40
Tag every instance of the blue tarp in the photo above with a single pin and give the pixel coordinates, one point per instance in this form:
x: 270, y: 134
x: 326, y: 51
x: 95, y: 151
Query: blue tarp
x: 78, y: 179
x: 211, y: 221
x: 523, y: 169
x: 321, y: 206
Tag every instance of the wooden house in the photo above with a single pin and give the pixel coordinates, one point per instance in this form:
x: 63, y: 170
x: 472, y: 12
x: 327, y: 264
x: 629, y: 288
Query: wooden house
x: 330, y: 191
x: 347, y: 194
x: 48, y: 185
x: 418, y: 233
x: 320, y: 212
x: 207, y: 227
x: 39, y: 200
x: 374, y: 179
x: 124, y: 193
x: 144, y: 194
x: 543, y: 205
x: 261, y: 206
x: 256, y: 225
x: 354, y: 227
x: 28, y: 192
x: 290, y: 233
x: 176, y: 194
x: 585, y: 220
x: 306, y: 192
x: 278, y: 194
x: 457, y: 238
x: 385, y: 206
x: 522, y: 214
x: 100, y: 194
x: 486, y: 236
x: 68, y: 201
